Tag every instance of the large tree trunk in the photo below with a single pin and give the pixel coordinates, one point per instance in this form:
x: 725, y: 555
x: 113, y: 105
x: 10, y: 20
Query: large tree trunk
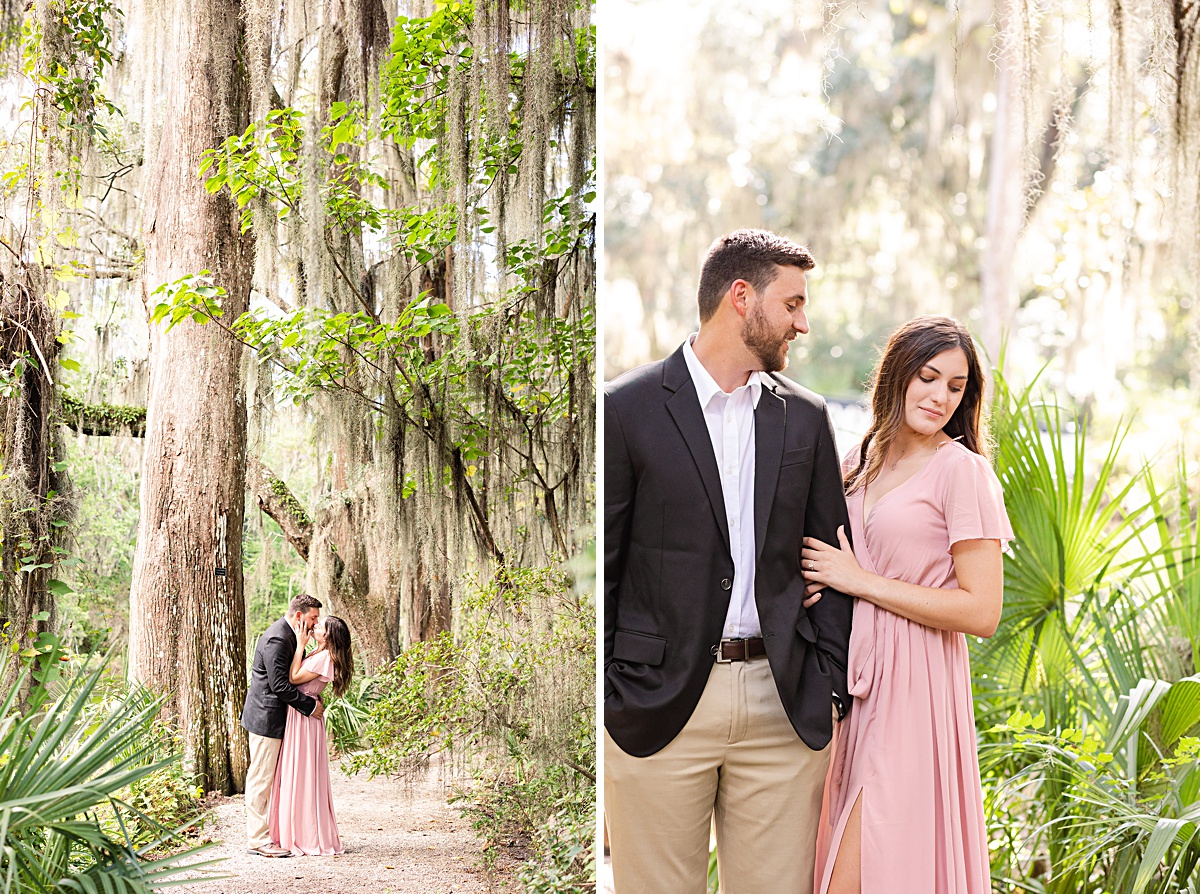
x: 31, y: 487
x: 349, y: 570
x: 187, y: 615
x: 352, y: 563
x: 429, y: 602
x: 1006, y: 195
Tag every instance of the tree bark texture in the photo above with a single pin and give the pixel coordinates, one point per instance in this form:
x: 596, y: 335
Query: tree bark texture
x: 1186, y: 19
x: 352, y: 566
x: 429, y: 603
x: 187, y: 613
x: 31, y: 505
x: 356, y: 583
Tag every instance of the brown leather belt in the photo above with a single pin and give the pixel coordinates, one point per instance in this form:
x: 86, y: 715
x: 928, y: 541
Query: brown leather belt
x: 728, y: 650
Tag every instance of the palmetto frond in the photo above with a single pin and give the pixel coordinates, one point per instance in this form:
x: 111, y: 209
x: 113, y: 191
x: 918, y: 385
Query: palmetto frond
x: 62, y: 761
x: 1071, y: 582
x: 1100, y: 635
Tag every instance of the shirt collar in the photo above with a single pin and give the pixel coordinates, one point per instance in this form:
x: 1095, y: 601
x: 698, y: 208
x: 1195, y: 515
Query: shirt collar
x: 706, y: 386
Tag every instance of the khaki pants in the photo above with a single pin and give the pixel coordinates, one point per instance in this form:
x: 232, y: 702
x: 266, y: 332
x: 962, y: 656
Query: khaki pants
x: 737, y: 761
x: 264, y: 754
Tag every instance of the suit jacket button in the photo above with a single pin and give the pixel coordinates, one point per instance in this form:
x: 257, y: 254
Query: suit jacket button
x: 726, y: 584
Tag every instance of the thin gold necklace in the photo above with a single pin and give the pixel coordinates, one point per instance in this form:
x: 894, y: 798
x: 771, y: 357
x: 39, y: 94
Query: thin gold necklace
x: 896, y: 462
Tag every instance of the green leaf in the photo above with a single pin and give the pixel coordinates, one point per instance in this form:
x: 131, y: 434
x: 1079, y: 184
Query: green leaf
x: 1165, y: 832
x: 341, y: 134
x: 1180, y: 709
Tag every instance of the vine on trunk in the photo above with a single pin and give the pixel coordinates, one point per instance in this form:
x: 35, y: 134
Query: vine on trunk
x: 65, y: 47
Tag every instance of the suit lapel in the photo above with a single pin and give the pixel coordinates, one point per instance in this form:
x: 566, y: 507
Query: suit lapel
x: 684, y: 407
x: 769, y: 421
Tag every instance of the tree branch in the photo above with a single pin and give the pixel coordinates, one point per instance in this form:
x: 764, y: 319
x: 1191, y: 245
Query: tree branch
x: 276, y: 500
x: 105, y: 420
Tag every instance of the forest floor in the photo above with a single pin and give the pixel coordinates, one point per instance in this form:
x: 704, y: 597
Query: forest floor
x: 400, y: 838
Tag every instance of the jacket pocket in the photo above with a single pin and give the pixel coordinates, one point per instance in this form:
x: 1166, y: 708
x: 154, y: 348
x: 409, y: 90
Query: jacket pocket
x: 794, y: 457
x: 641, y: 648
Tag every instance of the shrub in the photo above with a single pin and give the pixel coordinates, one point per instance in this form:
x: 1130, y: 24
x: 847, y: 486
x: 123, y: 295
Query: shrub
x: 67, y: 754
x: 564, y: 863
x: 511, y: 693
x: 168, y: 796
x: 346, y: 716
x: 1093, y: 781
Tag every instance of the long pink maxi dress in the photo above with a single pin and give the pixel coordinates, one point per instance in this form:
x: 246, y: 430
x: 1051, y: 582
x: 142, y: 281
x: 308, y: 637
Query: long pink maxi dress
x: 301, y: 812
x: 908, y: 745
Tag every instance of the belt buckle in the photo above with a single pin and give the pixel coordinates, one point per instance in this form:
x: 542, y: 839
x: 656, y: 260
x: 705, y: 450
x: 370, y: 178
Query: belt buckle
x: 719, y: 650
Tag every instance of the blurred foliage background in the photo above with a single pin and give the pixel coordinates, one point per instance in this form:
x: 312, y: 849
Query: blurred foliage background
x: 1037, y: 182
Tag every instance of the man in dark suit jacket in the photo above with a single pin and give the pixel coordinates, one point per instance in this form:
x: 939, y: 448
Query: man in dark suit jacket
x: 264, y: 715
x: 720, y: 685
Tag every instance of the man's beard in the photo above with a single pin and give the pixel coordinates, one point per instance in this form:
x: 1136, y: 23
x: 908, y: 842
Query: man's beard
x: 768, y: 346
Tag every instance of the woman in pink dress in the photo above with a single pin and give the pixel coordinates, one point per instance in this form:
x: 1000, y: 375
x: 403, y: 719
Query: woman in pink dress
x: 904, y: 804
x: 301, y: 812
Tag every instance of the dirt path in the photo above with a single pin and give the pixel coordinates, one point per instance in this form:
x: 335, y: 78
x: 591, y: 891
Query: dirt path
x: 398, y: 840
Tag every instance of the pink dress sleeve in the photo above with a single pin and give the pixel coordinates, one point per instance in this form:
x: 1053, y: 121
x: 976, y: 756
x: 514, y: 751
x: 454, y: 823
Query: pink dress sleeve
x: 973, y: 502
x: 321, y: 663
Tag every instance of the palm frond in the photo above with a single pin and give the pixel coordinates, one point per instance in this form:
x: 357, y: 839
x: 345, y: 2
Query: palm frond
x: 63, y: 760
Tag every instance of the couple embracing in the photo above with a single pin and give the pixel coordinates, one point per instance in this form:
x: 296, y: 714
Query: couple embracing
x: 764, y: 600
x: 289, y: 801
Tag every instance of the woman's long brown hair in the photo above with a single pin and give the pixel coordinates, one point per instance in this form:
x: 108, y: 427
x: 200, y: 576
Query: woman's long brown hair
x: 908, y: 350
x: 337, y: 641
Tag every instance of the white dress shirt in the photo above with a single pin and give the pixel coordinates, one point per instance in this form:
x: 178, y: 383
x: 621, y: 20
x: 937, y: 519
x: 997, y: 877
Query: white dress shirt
x: 730, y: 421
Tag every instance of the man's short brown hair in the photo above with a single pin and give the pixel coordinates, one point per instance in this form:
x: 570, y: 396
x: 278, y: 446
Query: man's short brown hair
x: 303, y: 604
x: 752, y: 255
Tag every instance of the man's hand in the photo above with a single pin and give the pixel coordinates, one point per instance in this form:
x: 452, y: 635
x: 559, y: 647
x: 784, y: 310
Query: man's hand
x: 319, y: 710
